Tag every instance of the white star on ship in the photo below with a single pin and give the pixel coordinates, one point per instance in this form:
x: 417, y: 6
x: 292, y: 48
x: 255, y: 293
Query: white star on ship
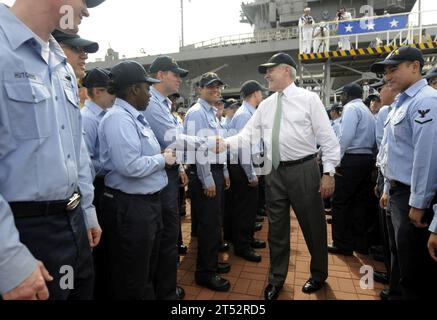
x: 371, y: 26
x: 349, y: 28
x: 394, y: 23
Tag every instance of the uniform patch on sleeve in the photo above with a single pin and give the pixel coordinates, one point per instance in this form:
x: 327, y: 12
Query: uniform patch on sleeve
x: 423, y: 114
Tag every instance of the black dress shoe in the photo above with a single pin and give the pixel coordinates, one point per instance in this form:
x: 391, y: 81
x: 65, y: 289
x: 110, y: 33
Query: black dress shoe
x: 258, y: 244
x: 223, y: 267
x: 384, y: 294
x: 180, y: 293
x: 312, y: 286
x: 215, y: 283
x: 249, y: 255
x: 259, y: 219
x: 224, y: 247
x: 336, y: 250
x: 380, y: 277
x: 258, y: 226
x: 182, y: 249
x: 271, y: 292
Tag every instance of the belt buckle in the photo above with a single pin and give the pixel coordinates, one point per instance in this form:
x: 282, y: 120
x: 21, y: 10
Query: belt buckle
x: 73, y: 202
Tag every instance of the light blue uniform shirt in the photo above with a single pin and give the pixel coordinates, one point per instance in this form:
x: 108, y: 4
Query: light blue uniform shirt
x: 167, y: 128
x: 241, y: 117
x: 163, y: 123
x: 412, y: 143
x: 92, y: 114
x: 380, y: 121
x: 130, y: 152
x: 433, y: 225
x: 42, y: 153
x: 357, y: 129
x: 336, y: 125
x: 201, y: 120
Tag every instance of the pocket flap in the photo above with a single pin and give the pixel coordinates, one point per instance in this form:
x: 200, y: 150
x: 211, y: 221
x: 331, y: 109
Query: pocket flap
x: 28, y: 92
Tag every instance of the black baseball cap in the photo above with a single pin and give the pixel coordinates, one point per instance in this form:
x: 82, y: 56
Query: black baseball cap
x: 231, y: 103
x: 378, y: 85
x: 277, y: 59
x: 74, y: 40
x: 93, y: 3
x: 250, y: 87
x: 130, y: 72
x: 336, y: 107
x: 209, y: 78
x: 96, y: 78
x: 431, y: 74
x: 166, y: 63
x: 374, y: 95
x: 175, y: 95
x: 353, y: 90
x: 397, y: 57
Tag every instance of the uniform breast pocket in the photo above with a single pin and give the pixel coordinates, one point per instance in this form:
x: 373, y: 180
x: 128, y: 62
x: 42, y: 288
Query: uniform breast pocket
x: 400, y: 125
x: 29, y: 109
x: 73, y: 110
x: 149, y: 142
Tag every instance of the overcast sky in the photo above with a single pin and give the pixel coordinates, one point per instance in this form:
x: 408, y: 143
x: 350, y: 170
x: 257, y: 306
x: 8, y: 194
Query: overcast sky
x: 154, y: 26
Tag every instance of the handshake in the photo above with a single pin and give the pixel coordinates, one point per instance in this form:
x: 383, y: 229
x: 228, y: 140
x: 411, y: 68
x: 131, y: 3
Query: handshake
x: 215, y: 144
x: 220, y: 145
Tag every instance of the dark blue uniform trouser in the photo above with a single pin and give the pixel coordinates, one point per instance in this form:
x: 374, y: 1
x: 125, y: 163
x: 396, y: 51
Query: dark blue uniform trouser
x: 99, y: 252
x: 244, y: 209
x: 352, y: 209
x: 389, y: 243
x: 208, y: 212
x: 166, y: 273
x: 418, y: 272
x: 61, y: 240
x: 132, y: 225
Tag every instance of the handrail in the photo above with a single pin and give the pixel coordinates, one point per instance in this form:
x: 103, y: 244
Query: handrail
x: 245, y: 38
x: 390, y: 36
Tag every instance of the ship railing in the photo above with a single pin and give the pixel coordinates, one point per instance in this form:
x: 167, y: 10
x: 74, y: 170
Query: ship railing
x: 249, y: 38
x: 417, y: 30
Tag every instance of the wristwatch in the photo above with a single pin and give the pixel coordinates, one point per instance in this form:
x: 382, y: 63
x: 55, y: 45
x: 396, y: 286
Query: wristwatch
x: 331, y: 173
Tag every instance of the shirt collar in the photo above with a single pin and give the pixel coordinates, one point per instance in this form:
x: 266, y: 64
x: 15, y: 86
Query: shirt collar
x: 94, y: 108
x: 205, y: 105
x: 415, y: 88
x: 15, y: 31
x: 18, y: 33
x: 410, y: 92
x: 249, y: 107
x: 288, y: 92
x: 128, y: 107
x: 161, y: 99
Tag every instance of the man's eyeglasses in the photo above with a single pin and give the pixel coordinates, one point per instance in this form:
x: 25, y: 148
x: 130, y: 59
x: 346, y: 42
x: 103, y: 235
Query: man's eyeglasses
x: 78, y: 50
x: 215, y: 87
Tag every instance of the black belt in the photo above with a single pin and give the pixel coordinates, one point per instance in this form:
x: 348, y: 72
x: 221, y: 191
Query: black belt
x: 28, y: 209
x: 398, y: 185
x: 213, y: 166
x: 110, y: 192
x: 294, y: 162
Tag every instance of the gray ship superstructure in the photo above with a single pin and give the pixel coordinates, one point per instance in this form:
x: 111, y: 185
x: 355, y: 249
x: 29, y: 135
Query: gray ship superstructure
x: 235, y: 58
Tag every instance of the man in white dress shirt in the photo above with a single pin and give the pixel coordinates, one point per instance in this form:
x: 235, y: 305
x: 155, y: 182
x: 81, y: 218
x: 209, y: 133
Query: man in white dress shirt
x: 291, y: 121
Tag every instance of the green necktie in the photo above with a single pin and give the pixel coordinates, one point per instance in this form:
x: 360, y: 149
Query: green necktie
x: 276, y: 157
